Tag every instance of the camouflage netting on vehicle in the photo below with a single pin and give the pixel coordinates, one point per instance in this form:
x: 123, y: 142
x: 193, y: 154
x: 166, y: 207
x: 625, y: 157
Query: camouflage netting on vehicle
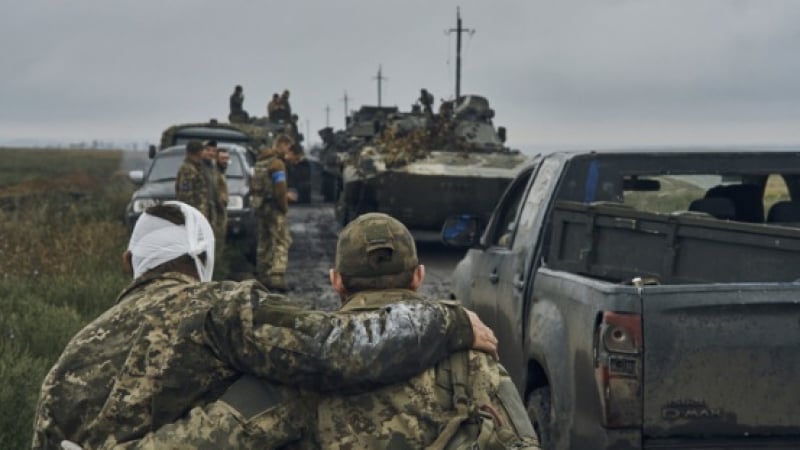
x: 414, y: 137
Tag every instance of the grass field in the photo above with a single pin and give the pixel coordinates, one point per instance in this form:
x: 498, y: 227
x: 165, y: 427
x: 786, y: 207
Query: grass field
x: 61, y: 237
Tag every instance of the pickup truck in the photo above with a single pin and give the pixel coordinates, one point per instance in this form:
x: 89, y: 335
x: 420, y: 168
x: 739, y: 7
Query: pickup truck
x: 646, y: 298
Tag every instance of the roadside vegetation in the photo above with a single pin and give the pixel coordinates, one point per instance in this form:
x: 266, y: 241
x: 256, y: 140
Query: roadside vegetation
x: 61, y: 237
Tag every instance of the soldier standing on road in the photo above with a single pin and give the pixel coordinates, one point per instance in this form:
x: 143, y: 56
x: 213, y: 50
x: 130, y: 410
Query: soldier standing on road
x: 210, y: 161
x: 467, y: 399
x: 170, y: 344
x: 193, y: 183
x: 237, y: 113
x: 221, y: 205
x: 270, y: 198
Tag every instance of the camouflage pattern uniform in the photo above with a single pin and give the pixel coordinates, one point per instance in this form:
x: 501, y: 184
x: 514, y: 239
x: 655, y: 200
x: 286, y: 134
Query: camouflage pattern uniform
x: 268, y: 189
x: 171, y: 344
x: 412, y: 414
x: 288, y: 422
x: 220, y: 206
x: 468, y: 398
x: 193, y: 185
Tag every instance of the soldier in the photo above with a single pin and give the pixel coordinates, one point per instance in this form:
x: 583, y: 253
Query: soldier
x: 170, y: 344
x: 292, y: 130
x: 220, y: 226
x: 426, y: 99
x: 237, y: 113
x: 284, y: 102
x: 466, y: 401
x: 273, y: 106
x: 209, y: 155
x: 193, y: 182
x: 270, y: 199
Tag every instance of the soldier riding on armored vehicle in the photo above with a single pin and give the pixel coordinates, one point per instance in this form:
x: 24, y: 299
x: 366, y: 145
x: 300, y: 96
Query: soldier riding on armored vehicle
x: 422, y: 168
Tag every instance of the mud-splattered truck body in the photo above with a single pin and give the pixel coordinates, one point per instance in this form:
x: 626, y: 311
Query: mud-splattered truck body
x: 646, y: 299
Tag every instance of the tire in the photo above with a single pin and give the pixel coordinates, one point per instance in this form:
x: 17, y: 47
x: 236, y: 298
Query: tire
x: 541, y: 413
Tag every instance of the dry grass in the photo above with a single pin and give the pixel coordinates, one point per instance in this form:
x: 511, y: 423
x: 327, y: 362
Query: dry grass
x: 61, y: 236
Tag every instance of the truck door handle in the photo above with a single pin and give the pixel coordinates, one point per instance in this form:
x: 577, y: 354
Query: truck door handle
x: 494, y: 277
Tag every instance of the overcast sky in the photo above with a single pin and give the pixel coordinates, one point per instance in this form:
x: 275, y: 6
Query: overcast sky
x: 595, y: 72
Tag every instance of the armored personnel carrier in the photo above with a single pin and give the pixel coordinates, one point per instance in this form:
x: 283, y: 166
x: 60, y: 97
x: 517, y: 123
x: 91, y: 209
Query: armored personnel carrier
x: 362, y: 126
x: 423, y: 167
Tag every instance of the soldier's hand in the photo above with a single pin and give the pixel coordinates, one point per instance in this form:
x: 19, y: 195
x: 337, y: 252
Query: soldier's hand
x: 485, y: 339
x: 291, y: 195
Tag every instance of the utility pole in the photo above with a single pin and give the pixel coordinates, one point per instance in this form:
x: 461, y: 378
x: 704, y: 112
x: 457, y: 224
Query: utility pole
x: 327, y: 115
x: 458, y: 30
x: 308, y: 132
x: 380, y: 78
x: 346, y: 111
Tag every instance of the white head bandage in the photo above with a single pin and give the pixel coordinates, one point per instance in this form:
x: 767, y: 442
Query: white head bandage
x: 155, y: 241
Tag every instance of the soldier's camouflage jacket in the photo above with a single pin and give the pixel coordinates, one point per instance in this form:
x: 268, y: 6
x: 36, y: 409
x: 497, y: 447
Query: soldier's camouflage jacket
x: 220, y: 206
x: 170, y: 344
x: 413, y: 414
x: 193, y: 186
x: 268, y: 185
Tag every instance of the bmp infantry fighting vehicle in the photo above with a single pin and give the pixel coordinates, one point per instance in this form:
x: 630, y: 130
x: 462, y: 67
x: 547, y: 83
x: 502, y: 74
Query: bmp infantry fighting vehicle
x: 362, y: 126
x: 423, y: 167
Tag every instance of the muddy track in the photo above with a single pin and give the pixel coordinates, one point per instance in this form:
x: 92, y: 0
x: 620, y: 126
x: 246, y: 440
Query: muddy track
x: 314, y: 230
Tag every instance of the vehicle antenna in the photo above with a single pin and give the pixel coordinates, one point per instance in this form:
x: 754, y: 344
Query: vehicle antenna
x: 458, y: 30
x: 345, y: 99
x: 380, y: 78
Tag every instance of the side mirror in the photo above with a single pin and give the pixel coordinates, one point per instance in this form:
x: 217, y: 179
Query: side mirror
x: 501, y: 133
x: 137, y: 176
x: 462, y: 231
x: 151, y: 151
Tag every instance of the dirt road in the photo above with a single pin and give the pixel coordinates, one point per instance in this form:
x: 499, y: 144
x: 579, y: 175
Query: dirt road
x: 314, y: 230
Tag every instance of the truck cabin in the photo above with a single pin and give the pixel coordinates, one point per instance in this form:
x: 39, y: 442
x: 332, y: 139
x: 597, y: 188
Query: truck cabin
x: 740, y: 187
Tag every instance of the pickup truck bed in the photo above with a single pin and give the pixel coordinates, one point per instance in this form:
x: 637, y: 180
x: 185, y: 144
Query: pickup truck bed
x: 614, y: 242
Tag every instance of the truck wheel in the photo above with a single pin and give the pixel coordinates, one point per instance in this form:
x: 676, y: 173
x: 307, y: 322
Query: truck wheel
x: 541, y: 414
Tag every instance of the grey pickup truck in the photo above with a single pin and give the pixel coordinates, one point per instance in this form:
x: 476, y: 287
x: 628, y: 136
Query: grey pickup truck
x: 646, y: 299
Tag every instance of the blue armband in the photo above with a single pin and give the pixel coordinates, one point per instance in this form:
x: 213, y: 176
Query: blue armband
x: 278, y: 177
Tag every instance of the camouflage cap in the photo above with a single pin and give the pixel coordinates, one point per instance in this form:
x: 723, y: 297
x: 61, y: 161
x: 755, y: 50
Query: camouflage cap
x: 194, y: 146
x: 371, y: 232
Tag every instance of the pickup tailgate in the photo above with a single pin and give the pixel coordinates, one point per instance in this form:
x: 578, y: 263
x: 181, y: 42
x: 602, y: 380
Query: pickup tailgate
x: 721, y: 360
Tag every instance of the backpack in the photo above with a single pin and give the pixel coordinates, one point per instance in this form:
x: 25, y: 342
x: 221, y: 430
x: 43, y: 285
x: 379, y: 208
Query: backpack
x: 261, y: 192
x: 476, y: 423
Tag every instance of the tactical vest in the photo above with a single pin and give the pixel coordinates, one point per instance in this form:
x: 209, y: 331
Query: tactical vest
x: 262, y: 192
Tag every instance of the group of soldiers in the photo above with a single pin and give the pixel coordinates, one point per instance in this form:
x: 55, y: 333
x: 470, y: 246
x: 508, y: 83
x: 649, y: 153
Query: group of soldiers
x: 182, y: 362
x: 200, y: 182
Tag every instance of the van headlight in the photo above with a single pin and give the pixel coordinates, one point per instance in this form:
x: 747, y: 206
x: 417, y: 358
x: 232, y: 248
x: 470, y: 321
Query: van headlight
x: 140, y: 204
x: 235, y: 202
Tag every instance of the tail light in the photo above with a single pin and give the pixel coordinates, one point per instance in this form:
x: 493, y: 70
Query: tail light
x: 618, y: 368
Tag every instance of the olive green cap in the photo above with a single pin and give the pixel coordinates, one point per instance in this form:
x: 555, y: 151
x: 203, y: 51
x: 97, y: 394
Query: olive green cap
x: 371, y: 232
